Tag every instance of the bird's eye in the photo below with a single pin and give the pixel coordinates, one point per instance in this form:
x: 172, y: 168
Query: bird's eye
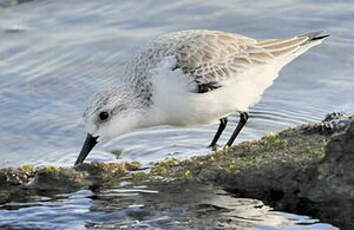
x: 103, y: 116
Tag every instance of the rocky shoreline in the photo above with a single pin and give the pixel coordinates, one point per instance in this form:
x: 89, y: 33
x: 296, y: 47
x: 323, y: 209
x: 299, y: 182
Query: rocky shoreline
x: 305, y: 170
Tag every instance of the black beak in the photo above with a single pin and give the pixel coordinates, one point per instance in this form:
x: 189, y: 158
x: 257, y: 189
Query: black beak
x: 90, y: 142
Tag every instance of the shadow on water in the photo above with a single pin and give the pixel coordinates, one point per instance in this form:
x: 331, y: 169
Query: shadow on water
x: 179, y: 206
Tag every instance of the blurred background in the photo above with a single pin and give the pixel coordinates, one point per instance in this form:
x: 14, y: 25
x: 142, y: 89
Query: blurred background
x: 55, y: 54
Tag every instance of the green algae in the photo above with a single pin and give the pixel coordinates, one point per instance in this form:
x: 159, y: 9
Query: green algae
x: 271, y: 142
x: 27, y: 167
x: 50, y: 168
x: 14, y: 182
x: 140, y: 176
x: 291, y: 148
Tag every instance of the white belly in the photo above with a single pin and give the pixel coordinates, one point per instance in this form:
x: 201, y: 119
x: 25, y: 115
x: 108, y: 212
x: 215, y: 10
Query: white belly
x: 176, y: 105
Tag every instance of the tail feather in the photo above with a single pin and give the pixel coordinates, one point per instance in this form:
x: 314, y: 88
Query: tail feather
x: 314, y: 36
x: 307, y: 41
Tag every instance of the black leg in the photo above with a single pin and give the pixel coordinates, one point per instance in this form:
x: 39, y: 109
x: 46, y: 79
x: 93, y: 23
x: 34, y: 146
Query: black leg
x: 241, y: 123
x: 223, y: 122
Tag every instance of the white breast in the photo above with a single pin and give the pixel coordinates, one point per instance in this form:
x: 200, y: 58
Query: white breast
x: 175, y: 104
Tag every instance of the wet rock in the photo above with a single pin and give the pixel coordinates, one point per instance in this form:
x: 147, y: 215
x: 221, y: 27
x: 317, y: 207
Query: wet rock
x: 19, y: 183
x: 306, y: 170
x: 17, y: 176
x: 333, y: 123
x: 331, y: 191
x: 11, y: 180
x: 335, y: 175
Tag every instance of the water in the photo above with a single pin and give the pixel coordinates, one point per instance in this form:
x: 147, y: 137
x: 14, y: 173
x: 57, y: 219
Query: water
x: 184, y: 207
x: 55, y: 54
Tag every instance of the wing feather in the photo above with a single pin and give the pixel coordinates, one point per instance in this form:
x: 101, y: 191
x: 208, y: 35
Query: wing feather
x: 210, y: 57
x: 217, y: 56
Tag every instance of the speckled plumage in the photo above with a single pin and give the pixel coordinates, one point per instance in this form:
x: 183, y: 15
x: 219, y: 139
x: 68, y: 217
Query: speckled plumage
x: 211, y: 56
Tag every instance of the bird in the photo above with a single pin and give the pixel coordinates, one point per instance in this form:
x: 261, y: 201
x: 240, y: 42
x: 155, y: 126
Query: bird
x: 190, y: 78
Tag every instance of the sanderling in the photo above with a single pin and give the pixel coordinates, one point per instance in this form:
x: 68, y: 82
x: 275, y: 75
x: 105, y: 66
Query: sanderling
x: 191, y: 78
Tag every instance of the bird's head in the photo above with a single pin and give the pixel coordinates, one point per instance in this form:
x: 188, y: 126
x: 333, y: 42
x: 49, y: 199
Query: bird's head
x: 109, y: 114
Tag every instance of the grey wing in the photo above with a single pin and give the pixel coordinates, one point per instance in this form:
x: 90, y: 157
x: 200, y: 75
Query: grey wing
x: 210, y: 58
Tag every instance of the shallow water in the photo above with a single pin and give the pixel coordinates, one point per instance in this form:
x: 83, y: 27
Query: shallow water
x: 167, y: 207
x: 55, y: 54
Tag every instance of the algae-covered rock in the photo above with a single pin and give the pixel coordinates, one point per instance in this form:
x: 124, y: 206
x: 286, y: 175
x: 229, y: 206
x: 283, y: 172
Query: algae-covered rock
x: 335, y: 175
x: 17, y: 176
x: 332, y: 189
x: 271, y: 157
x: 306, y: 170
x: 11, y: 180
x: 18, y: 183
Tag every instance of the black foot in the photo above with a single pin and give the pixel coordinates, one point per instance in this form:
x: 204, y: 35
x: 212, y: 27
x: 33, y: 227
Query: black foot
x: 214, y: 147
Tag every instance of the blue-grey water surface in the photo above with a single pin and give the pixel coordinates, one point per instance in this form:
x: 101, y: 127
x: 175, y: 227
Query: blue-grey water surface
x: 56, y: 54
